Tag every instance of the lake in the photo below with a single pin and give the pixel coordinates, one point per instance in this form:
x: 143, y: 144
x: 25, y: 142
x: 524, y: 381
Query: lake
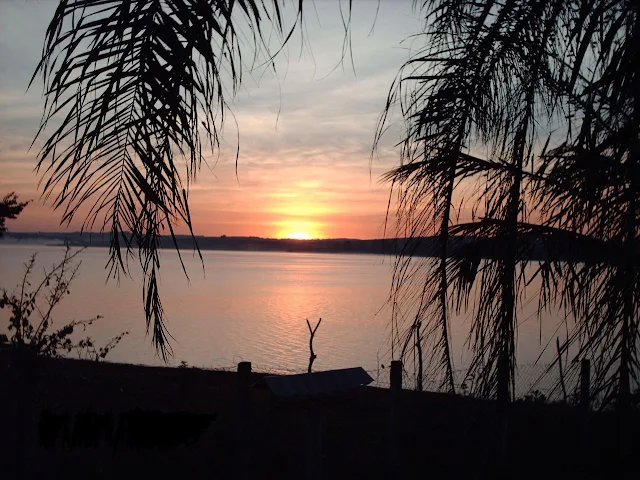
x: 252, y: 306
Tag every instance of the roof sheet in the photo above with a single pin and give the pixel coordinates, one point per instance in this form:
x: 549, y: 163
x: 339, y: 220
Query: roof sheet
x: 317, y: 383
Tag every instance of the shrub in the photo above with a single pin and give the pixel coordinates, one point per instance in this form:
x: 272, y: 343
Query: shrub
x: 32, y: 305
x: 535, y: 396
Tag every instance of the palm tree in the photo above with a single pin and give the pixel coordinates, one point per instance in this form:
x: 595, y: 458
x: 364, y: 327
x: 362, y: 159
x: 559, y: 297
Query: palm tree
x: 592, y: 190
x: 133, y: 87
x: 493, y: 76
x: 464, y: 89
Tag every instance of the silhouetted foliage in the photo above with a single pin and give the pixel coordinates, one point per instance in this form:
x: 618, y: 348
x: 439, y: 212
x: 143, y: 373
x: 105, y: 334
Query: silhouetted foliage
x: 137, y: 87
x: 36, y: 335
x: 536, y: 396
x: 10, y: 208
x: 480, y: 99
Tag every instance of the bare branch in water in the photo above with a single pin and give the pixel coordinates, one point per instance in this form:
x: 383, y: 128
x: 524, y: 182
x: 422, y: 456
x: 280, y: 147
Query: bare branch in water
x: 312, y: 332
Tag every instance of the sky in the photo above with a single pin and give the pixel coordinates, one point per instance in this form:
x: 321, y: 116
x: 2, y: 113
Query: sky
x: 305, y: 168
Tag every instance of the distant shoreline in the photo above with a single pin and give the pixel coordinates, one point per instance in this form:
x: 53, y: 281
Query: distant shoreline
x: 565, y: 248
x: 222, y: 243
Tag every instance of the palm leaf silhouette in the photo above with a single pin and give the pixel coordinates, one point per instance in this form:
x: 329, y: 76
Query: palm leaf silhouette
x: 494, y: 76
x: 132, y: 89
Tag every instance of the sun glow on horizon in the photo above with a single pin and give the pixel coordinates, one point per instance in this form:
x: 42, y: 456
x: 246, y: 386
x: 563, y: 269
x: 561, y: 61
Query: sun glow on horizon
x: 299, y: 229
x: 297, y: 236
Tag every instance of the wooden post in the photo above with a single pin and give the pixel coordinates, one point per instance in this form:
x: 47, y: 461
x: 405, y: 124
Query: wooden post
x: 396, y: 376
x: 242, y: 421
x: 395, y: 380
x: 244, y: 372
x: 585, y: 385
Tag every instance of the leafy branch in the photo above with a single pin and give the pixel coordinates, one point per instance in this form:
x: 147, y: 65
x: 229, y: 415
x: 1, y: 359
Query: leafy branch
x: 32, y: 306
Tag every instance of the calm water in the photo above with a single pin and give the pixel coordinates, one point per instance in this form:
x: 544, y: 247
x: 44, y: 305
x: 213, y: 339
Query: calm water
x: 249, y: 306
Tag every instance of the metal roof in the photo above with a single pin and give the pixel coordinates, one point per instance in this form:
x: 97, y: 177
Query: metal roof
x: 317, y: 383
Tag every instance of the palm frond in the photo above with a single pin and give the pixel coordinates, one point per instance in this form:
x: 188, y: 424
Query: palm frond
x: 132, y: 89
x: 480, y: 77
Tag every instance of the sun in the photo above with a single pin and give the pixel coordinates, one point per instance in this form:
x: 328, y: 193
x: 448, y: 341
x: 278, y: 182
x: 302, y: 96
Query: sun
x: 298, y: 229
x: 298, y: 236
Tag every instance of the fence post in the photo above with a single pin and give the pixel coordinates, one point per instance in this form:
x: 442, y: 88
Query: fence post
x: 242, y: 421
x: 395, y: 380
x: 585, y: 384
x: 244, y: 372
x: 396, y: 376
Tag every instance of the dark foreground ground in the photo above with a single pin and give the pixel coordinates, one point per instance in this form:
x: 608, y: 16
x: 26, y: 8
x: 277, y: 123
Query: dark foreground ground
x: 439, y: 436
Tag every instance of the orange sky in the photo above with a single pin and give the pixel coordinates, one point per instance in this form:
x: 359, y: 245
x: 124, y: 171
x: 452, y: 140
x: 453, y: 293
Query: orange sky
x: 305, y: 134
